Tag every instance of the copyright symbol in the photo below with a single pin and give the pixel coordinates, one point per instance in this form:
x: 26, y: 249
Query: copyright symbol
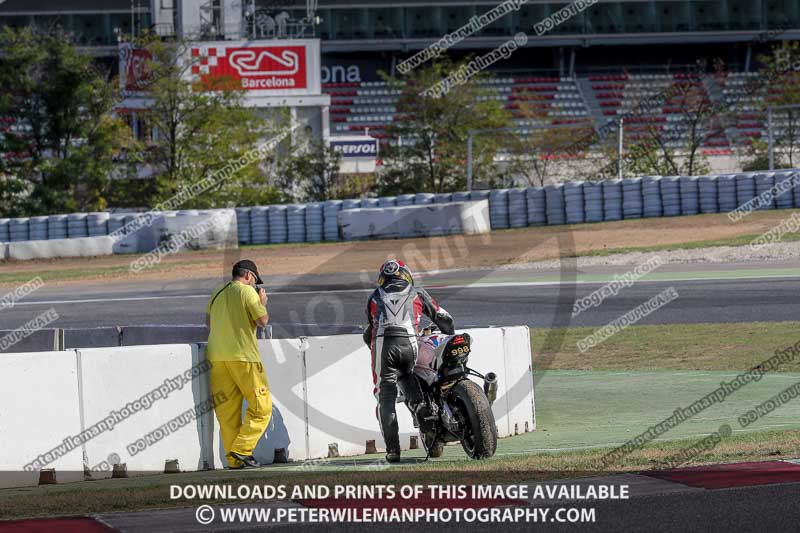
x: 204, y: 514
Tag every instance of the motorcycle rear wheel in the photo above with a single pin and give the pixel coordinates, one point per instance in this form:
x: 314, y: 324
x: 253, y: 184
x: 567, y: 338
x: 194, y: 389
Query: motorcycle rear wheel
x: 471, y: 406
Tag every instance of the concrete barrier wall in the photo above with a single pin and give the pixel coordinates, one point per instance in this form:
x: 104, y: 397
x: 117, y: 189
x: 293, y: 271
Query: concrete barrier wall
x: 39, y: 407
x: 142, y: 335
x: 519, y: 390
x: 114, y: 381
x: 40, y: 340
x: 79, y: 247
x: 90, y: 337
x: 415, y: 221
x: 341, y: 405
x: 321, y: 390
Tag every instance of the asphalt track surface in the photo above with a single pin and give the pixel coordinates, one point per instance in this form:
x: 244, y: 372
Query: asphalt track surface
x: 328, y: 304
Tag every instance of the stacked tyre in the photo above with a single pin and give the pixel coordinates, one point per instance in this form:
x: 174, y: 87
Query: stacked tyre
x: 795, y: 179
x: 18, y: 229
x: 4, y: 237
x: 462, y: 196
x: 37, y: 229
x: 764, y: 185
x: 593, y: 201
x: 76, y: 225
x: 745, y: 188
x: 259, y: 224
x: 670, y: 196
x: 315, y: 222
x: 612, y: 200
x: 632, y: 206
x: 242, y: 224
x: 554, y: 200
x: 651, y: 195
x: 296, y: 222
x: 573, y: 202
x: 498, y: 208
x: 331, y: 218
x: 423, y: 198
x: 517, y: 208
x: 785, y: 187
x: 129, y: 244
x: 97, y: 224
x: 537, y: 206
x: 387, y: 201
x: 57, y: 226
x: 405, y: 199
x: 690, y: 197
x: 475, y: 196
x: 707, y: 190
x: 350, y: 204
x: 726, y: 192
x: 278, y: 229
x: 370, y: 202
x: 443, y: 198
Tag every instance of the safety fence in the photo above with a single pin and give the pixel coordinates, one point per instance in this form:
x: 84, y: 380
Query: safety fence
x: 57, y: 339
x: 566, y: 203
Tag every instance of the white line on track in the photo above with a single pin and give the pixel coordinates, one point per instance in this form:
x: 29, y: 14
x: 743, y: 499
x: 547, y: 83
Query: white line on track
x: 487, y: 285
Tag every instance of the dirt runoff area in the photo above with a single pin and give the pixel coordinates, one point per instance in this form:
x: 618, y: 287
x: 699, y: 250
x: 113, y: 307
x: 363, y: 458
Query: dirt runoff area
x: 498, y: 248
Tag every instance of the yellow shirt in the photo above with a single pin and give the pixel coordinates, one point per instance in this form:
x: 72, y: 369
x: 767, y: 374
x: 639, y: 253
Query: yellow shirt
x: 233, y: 330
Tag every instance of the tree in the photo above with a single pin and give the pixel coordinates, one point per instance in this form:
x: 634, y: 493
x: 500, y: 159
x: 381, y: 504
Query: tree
x: 430, y: 132
x: 200, y: 125
x: 59, y: 139
x: 533, y: 153
x: 310, y: 170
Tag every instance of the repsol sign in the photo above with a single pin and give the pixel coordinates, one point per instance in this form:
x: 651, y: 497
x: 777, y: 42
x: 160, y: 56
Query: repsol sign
x: 366, y: 149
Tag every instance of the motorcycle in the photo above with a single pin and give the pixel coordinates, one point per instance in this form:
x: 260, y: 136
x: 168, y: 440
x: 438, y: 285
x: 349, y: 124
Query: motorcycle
x: 455, y: 408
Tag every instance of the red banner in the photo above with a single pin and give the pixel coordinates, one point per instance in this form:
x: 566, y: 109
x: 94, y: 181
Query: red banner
x: 137, y: 75
x: 253, y: 68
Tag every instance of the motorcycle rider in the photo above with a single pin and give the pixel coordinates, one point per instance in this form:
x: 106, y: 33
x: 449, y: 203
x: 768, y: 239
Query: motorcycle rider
x: 394, y: 310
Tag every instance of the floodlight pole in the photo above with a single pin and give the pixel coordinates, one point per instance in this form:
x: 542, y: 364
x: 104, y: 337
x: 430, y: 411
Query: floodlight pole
x: 770, y: 142
x: 619, y: 155
x: 770, y: 136
x: 469, y: 160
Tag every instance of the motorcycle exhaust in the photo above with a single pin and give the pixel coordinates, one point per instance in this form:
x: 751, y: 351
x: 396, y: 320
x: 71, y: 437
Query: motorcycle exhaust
x: 490, y: 386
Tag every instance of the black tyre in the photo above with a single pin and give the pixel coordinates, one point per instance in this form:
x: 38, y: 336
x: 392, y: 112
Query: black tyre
x: 472, y: 408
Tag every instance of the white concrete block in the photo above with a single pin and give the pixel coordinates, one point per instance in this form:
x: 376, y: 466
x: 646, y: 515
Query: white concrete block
x: 79, y: 247
x: 283, y: 364
x: 519, y: 377
x: 341, y: 405
x: 184, y: 231
x: 136, y: 390
x: 39, y: 408
x: 415, y: 221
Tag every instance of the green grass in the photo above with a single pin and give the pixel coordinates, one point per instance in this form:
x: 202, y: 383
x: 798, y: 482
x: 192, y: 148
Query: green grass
x: 729, y: 346
x: 741, y: 240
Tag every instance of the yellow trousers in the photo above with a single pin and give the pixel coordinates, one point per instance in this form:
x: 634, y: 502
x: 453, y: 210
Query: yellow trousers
x: 239, y: 380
